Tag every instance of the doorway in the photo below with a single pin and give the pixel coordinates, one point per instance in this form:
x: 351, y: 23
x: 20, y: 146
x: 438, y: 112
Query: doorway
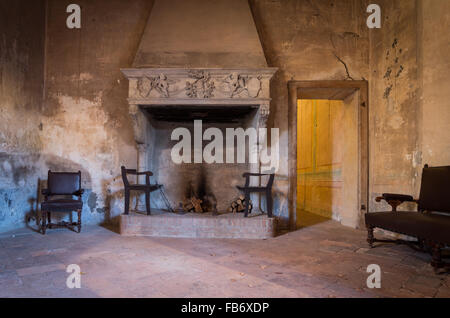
x: 328, y: 144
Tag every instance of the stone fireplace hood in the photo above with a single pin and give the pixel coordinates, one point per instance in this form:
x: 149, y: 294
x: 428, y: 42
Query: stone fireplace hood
x: 198, y: 52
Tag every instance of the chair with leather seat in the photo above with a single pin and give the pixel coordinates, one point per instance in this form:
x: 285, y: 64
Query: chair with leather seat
x: 62, y: 184
x: 147, y: 188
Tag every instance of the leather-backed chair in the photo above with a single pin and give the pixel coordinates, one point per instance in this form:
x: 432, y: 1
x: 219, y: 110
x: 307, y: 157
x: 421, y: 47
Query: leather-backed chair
x: 62, y: 184
x: 147, y: 188
x: 247, y: 189
x: 430, y: 224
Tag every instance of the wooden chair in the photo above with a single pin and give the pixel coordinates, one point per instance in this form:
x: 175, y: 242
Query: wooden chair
x: 247, y: 189
x: 147, y: 188
x: 67, y: 184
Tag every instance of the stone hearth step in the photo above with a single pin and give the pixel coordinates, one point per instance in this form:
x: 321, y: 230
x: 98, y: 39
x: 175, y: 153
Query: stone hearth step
x: 198, y: 225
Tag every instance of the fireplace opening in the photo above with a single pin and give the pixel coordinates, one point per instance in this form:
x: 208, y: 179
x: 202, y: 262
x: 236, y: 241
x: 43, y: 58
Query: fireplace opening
x: 208, y: 114
x: 195, y: 187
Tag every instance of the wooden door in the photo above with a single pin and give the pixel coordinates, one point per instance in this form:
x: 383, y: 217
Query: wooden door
x: 320, y: 157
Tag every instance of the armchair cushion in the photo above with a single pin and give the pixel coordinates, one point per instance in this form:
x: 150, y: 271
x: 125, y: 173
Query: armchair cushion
x: 431, y: 226
x: 61, y: 205
x: 398, y: 197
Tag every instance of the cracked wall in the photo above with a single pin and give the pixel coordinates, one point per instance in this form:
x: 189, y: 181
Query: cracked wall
x: 308, y: 40
x: 394, y: 103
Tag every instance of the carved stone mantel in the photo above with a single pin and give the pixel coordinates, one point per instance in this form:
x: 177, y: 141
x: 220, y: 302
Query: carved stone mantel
x: 206, y: 86
x: 168, y: 86
x: 195, y: 86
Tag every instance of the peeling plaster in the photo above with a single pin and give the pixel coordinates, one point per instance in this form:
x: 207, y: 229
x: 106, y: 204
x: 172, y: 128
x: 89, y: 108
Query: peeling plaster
x: 77, y: 133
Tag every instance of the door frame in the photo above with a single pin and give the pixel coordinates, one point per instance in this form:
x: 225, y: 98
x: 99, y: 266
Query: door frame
x: 327, y: 90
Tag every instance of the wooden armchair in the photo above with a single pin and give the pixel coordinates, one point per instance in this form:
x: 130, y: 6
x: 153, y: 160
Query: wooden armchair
x: 147, y: 187
x: 67, y: 184
x: 247, y: 189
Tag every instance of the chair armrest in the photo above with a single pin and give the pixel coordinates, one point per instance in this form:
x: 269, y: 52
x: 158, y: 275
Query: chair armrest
x: 248, y: 174
x: 394, y: 199
x: 148, y: 173
x: 79, y: 193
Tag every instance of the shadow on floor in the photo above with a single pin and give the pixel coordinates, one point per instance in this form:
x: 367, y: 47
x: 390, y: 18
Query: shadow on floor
x: 306, y: 219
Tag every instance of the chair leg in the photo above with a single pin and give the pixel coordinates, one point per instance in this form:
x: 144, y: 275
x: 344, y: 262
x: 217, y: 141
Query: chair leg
x: 269, y: 201
x: 79, y: 221
x: 436, y: 260
x: 127, y: 201
x: 247, y: 200
x: 44, y: 222
x: 370, y: 238
x: 49, y: 220
x: 147, y: 202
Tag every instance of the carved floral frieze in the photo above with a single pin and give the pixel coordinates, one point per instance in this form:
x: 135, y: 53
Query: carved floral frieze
x: 196, y: 84
x: 201, y: 85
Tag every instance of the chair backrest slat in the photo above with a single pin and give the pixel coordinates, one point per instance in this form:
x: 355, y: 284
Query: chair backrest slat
x: 64, y: 183
x: 435, y: 189
x: 124, y: 176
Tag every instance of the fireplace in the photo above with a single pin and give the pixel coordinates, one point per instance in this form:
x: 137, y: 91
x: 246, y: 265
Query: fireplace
x: 197, y: 61
x: 162, y: 100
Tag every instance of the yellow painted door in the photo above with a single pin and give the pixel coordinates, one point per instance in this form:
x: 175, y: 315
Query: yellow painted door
x: 319, y: 157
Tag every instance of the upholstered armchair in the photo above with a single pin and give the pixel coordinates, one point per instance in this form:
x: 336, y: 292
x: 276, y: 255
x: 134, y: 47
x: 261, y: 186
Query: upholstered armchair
x: 62, y: 184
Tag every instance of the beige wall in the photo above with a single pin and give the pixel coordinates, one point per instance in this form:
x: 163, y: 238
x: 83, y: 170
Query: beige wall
x: 302, y: 38
x: 85, y: 118
x: 394, y: 102
x: 434, y: 22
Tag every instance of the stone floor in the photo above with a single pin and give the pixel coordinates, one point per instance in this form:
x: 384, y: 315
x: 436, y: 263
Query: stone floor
x: 323, y: 259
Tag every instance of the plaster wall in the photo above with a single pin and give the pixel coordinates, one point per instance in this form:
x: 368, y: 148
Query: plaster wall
x: 21, y: 89
x: 434, y: 19
x: 394, y: 94
x: 308, y: 40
